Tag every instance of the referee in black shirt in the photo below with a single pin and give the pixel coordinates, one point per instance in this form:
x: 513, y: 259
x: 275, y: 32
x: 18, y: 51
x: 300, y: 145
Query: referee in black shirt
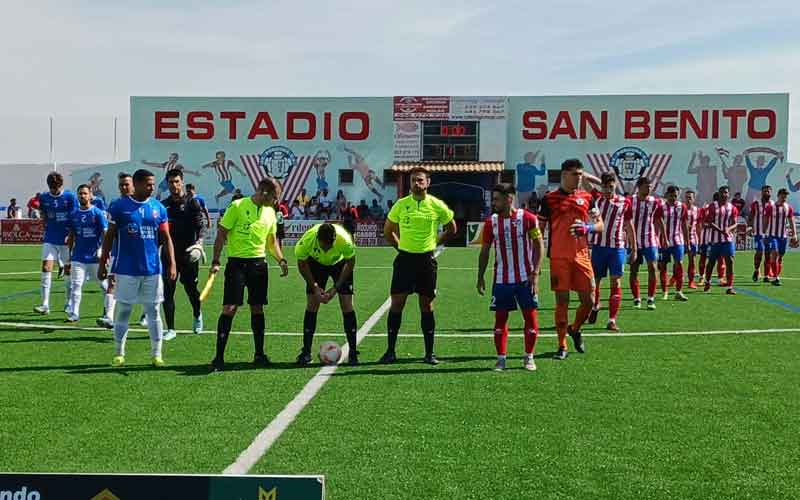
x: 186, y: 228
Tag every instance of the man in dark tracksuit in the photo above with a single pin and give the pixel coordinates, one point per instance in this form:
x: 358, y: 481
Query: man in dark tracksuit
x: 186, y: 228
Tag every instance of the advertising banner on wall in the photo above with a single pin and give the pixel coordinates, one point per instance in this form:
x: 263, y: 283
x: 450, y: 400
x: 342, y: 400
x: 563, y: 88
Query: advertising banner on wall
x: 698, y: 142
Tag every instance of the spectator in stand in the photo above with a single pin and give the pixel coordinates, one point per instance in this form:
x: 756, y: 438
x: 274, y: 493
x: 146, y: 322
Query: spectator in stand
x: 533, y: 203
x: 313, y: 209
x: 375, y: 211
x: 303, y: 198
x: 283, y: 209
x: 12, y: 210
x: 191, y: 190
x: 298, y: 212
x: 739, y: 203
x: 325, y: 204
x: 349, y: 216
x: 362, y: 210
x: 33, y: 207
x: 341, y: 203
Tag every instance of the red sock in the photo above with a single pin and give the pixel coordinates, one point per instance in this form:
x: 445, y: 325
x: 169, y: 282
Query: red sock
x: 635, y: 287
x: 663, y: 275
x: 769, y: 266
x: 778, y: 266
x: 702, y: 265
x: 614, y: 301
x: 651, y: 287
x: 691, y: 269
x: 729, y: 275
x: 501, y: 332
x: 562, y: 312
x: 720, y: 267
x: 678, y: 275
x: 597, y: 295
x: 757, y: 262
x: 580, y: 316
x: 531, y: 329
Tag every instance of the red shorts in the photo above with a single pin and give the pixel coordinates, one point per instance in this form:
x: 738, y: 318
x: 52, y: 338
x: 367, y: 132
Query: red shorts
x: 572, y: 274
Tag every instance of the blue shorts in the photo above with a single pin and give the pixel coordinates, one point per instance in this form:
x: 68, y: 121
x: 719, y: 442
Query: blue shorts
x: 777, y: 244
x: 607, y: 260
x: 704, y: 249
x: 717, y: 250
x: 227, y: 186
x: 674, y: 252
x: 693, y: 248
x: 506, y: 297
x: 650, y: 254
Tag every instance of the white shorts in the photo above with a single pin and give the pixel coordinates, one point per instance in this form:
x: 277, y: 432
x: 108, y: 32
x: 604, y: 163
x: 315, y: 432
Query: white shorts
x: 55, y: 253
x: 139, y: 289
x: 81, y: 272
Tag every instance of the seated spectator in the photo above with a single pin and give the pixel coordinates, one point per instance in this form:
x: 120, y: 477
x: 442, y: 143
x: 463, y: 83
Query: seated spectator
x: 312, y: 210
x: 341, y: 203
x: 303, y: 198
x: 349, y: 216
x: 297, y: 211
x: 375, y: 211
x: 33, y: 207
x: 282, y: 208
x: 362, y: 210
x: 325, y: 204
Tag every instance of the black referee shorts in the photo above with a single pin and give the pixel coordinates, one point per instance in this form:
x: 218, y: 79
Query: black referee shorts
x: 249, y: 273
x: 321, y: 274
x: 414, y: 273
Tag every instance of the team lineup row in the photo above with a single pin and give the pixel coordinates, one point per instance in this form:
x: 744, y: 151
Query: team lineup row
x: 149, y: 244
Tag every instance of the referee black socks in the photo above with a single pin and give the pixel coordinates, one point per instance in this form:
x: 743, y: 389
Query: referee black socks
x: 257, y: 325
x: 350, y: 329
x: 393, y: 328
x: 309, y: 328
x: 223, y: 330
x: 428, y: 324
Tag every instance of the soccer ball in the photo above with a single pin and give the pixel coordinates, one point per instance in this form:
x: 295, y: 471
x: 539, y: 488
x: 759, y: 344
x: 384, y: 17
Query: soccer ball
x: 329, y: 353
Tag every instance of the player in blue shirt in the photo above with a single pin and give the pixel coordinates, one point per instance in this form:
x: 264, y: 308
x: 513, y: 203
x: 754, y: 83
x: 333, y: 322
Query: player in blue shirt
x: 139, y: 222
x: 99, y: 202
x: 56, y: 206
x: 88, y: 227
x: 125, y: 186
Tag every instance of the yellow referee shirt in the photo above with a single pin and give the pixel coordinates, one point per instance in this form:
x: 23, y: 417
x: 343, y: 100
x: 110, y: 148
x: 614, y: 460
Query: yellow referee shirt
x: 308, y: 246
x: 419, y: 222
x: 249, y: 227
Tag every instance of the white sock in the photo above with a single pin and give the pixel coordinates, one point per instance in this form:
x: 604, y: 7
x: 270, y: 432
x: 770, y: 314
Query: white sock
x: 121, y: 327
x: 108, y: 304
x: 68, y: 290
x: 75, y: 300
x: 46, y: 281
x: 501, y: 357
x: 152, y: 311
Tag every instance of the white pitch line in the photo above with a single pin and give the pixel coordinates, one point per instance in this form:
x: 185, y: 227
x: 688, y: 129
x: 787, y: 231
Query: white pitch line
x: 267, y: 437
x: 34, y: 326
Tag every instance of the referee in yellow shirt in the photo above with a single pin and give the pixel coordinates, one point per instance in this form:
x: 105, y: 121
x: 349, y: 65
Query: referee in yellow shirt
x: 249, y: 227
x: 327, y: 251
x: 412, y: 227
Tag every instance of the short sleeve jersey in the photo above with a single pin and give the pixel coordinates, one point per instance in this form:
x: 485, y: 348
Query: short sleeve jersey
x: 89, y: 226
x: 308, y: 247
x: 137, y: 223
x: 419, y: 222
x: 58, y: 210
x: 561, y: 210
x: 249, y: 227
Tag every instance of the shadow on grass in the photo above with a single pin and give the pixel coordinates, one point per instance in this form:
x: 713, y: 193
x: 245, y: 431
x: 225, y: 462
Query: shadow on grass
x: 415, y: 366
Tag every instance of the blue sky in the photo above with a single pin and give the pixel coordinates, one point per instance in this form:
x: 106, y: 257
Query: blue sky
x: 80, y: 61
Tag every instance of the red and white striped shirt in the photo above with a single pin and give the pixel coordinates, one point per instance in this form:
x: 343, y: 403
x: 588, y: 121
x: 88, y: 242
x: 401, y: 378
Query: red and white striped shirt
x: 692, y: 216
x: 723, y: 216
x: 759, y: 210
x: 614, y: 213
x: 778, y: 217
x: 674, y: 216
x: 513, y: 251
x: 644, y: 212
